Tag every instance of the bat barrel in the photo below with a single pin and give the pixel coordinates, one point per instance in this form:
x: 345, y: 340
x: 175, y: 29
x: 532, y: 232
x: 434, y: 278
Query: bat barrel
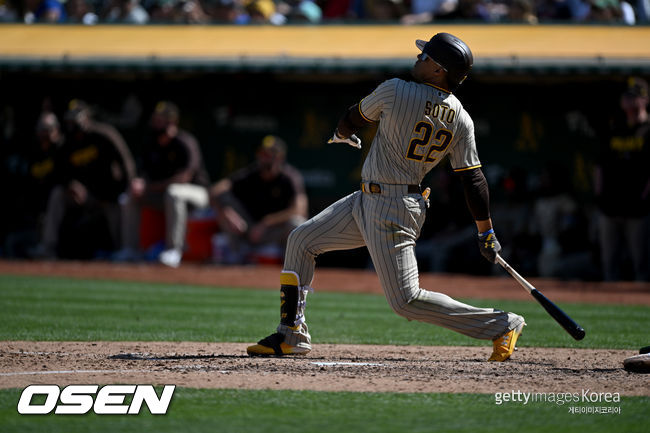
x: 569, y: 325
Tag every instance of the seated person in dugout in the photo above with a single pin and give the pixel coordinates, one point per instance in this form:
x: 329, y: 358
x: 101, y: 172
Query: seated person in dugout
x: 260, y: 204
x: 93, y: 167
x: 173, y: 178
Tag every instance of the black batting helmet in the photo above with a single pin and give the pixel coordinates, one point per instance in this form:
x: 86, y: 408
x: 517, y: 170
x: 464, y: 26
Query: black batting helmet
x: 451, y: 53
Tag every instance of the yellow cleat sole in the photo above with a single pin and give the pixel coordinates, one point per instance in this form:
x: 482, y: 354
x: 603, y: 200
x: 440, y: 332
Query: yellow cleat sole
x: 259, y: 350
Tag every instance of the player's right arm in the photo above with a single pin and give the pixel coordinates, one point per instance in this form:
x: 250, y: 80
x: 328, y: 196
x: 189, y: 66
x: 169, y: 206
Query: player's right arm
x: 351, y: 122
x: 348, y: 125
x: 354, y: 118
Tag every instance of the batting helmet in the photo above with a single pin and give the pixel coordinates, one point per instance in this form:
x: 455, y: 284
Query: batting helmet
x: 451, y: 53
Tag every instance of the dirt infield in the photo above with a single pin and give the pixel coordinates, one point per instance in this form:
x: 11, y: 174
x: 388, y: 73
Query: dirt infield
x: 328, y: 367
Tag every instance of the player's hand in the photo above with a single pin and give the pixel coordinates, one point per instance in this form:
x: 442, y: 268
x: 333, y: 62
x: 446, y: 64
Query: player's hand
x: 233, y: 221
x: 352, y: 140
x: 489, y: 245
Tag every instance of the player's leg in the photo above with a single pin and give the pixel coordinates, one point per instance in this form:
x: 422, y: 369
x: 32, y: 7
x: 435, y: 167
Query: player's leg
x: 178, y: 197
x: 392, y: 249
x: 332, y: 229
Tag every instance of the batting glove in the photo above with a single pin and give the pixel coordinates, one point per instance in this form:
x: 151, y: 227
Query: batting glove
x: 352, y: 140
x: 489, y: 245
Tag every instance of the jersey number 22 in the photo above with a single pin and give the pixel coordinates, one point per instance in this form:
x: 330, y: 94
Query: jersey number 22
x: 432, y: 143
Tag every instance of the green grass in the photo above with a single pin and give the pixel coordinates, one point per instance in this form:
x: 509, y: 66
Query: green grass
x: 200, y: 410
x: 39, y: 308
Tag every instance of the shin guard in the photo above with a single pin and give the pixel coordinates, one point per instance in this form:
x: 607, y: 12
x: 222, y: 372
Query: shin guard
x: 289, y: 298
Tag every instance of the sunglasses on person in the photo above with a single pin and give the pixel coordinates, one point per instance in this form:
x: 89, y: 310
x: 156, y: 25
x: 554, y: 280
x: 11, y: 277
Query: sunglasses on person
x: 424, y: 56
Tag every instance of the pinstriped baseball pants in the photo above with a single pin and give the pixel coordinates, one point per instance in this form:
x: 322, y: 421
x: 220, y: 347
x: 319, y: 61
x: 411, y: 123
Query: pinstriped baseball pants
x: 388, y: 224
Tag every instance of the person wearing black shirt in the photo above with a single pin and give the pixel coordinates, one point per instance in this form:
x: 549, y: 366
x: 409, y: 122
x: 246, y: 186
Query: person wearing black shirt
x: 173, y: 179
x: 622, y: 186
x: 93, y: 167
x: 261, y: 203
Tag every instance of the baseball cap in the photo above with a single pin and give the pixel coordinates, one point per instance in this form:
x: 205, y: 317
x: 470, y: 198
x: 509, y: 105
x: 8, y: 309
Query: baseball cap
x: 265, y: 8
x: 636, y: 86
x: 273, y: 144
x: 75, y: 108
x: 167, y: 110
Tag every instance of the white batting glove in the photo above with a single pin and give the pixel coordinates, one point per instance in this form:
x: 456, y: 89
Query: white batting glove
x: 352, y: 140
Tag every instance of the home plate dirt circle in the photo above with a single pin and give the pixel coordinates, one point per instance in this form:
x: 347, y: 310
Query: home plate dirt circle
x: 328, y: 367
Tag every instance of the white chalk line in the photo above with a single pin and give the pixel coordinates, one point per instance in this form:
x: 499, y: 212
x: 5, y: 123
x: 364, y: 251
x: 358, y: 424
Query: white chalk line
x: 363, y: 364
x: 36, y: 373
x: 27, y: 373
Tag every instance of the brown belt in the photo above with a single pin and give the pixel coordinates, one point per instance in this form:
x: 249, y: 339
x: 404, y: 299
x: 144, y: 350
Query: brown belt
x: 375, y: 188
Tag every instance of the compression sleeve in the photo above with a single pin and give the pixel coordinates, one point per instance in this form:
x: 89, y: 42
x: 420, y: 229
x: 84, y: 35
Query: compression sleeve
x: 477, y: 194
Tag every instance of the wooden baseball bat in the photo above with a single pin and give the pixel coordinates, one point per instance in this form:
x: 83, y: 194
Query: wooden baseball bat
x: 569, y: 325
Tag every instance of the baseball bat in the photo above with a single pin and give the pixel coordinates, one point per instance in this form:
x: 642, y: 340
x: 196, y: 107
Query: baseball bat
x: 569, y: 325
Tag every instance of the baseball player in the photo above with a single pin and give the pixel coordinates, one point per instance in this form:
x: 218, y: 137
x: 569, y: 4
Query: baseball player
x: 420, y: 123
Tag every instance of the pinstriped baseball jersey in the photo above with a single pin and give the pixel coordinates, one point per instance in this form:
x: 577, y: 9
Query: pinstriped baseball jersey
x: 419, y: 124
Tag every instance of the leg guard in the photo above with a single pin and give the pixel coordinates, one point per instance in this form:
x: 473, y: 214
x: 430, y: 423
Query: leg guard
x: 292, y: 311
x: 289, y: 298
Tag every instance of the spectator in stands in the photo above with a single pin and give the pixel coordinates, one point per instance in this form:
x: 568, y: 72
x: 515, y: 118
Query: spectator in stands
x: 604, y: 11
x: 261, y: 12
x: 642, y: 10
x: 8, y: 12
x: 260, y: 204
x: 225, y: 11
x: 93, y: 167
x: 425, y: 11
x: 81, y: 12
x: 338, y: 9
x: 562, y: 10
x: 622, y: 186
x: 44, y: 11
x: 385, y: 10
x: 127, y: 12
x: 296, y: 11
x: 178, y: 11
x: 522, y: 11
x: 173, y: 178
